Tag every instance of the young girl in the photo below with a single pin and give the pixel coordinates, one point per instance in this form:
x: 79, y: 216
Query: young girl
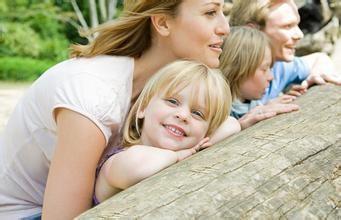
x: 246, y: 61
x: 178, y: 111
x: 53, y: 141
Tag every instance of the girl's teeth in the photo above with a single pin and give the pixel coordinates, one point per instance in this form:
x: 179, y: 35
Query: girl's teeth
x: 175, y: 130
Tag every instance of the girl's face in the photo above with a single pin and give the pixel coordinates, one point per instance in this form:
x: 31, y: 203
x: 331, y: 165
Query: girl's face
x: 175, y: 122
x: 254, y: 87
x: 197, y: 31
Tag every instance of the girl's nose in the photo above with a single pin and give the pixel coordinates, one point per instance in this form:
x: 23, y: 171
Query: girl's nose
x: 182, y: 115
x: 270, y: 75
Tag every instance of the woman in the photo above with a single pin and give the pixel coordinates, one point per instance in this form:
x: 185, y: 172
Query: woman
x: 58, y: 131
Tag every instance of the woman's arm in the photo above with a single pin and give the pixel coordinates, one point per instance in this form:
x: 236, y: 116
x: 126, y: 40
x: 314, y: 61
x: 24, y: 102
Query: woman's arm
x: 229, y: 127
x: 71, y: 177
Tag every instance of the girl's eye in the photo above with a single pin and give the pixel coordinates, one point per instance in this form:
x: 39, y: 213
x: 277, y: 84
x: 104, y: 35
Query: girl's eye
x: 265, y: 70
x: 198, y: 113
x: 172, y: 101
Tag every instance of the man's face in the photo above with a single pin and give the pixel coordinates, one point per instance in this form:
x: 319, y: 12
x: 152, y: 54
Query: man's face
x: 282, y: 28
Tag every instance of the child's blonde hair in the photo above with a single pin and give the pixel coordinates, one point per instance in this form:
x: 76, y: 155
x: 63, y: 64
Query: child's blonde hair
x: 172, y: 79
x: 243, y: 52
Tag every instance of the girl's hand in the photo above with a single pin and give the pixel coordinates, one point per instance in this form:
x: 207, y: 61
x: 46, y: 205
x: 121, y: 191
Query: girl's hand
x: 263, y: 112
x: 298, y: 90
x: 204, y: 143
x: 283, y: 99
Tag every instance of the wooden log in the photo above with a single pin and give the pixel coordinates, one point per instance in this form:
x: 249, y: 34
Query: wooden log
x: 285, y: 167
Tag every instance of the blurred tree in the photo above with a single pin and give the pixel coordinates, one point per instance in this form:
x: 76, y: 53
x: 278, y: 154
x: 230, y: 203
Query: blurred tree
x: 107, y: 9
x: 36, y: 32
x: 50, y: 25
x: 33, y: 28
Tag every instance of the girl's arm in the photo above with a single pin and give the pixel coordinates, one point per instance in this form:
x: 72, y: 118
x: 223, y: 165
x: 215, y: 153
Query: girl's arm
x: 263, y: 112
x: 71, y: 177
x: 229, y: 127
x: 137, y: 163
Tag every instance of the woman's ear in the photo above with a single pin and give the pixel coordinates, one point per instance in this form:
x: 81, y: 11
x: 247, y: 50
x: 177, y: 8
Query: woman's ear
x: 161, y: 24
x: 253, y: 25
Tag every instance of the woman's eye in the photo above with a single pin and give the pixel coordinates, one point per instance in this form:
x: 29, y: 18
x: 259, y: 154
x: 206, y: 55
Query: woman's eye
x: 211, y: 13
x: 198, y: 113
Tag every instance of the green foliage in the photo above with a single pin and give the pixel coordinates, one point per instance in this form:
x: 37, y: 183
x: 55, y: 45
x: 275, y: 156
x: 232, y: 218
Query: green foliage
x: 19, y: 39
x: 55, y: 49
x: 33, y: 29
x: 3, y: 7
x: 22, y: 69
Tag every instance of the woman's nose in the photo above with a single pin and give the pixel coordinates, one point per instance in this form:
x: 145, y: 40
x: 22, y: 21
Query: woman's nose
x: 223, y: 27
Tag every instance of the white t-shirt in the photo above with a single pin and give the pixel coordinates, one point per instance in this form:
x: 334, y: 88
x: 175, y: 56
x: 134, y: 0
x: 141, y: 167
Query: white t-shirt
x: 99, y: 88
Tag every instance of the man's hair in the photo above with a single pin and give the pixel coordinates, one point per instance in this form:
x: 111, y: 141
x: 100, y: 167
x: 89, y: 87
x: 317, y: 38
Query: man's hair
x: 253, y: 12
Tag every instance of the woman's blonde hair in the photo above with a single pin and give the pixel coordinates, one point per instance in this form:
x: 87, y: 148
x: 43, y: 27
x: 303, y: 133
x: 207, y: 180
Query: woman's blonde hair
x: 243, y: 53
x: 172, y: 79
x: 129, y: 35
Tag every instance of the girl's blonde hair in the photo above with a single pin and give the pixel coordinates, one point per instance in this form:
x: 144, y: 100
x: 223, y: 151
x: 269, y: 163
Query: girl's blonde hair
x: 129, y: 35
x: 243, y: 53
x: 172, y: 79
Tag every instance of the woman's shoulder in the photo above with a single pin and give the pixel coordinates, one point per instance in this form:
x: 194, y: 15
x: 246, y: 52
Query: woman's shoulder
x: 114, y: 72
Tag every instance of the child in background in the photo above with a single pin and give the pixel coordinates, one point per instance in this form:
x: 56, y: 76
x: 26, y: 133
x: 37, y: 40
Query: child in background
x: 246, y: 62
x: 177, y: 114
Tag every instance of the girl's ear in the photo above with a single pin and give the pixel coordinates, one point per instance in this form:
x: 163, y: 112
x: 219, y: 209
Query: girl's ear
x: 161, y: 24
x: 140, y: 114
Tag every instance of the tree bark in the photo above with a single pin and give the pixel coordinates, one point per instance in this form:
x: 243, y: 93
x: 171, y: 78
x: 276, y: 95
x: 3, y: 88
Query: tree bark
x: 79, y: 15
x: 285, y: 167
x: 112, y: 9
x: 103, y: 10
x: 93, y: 13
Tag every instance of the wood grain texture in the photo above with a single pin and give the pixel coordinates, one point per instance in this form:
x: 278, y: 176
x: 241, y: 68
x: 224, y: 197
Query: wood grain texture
x: 285, y: 167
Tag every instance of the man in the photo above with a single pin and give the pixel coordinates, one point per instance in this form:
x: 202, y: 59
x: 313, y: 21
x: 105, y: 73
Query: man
x: 279, y: 20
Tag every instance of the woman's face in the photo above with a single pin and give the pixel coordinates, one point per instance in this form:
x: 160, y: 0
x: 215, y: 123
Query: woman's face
x: 197, y: 31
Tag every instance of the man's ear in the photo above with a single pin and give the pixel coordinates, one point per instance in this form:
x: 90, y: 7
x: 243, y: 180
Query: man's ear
x: 161, y: 24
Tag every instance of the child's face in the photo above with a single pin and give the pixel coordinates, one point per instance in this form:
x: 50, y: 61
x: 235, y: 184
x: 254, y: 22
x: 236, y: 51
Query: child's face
x: 175, y: 122
x: 254, y: 87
